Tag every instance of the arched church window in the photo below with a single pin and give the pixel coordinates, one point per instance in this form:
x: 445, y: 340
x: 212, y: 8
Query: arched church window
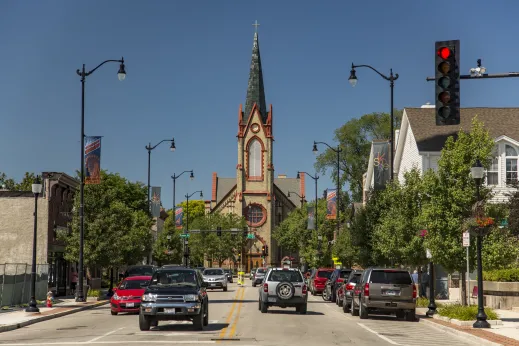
x: 255, y: 164
x: 255, y: 215
x: 511, y: 164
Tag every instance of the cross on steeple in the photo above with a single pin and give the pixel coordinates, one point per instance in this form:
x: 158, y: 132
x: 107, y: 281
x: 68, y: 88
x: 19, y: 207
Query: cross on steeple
x: 255, y: 25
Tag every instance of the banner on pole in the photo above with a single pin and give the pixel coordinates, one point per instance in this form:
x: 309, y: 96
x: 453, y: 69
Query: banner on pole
x: 311, y: 218
x: 155, y: 201
x: 92, y: 160
x: 179, y: 215
x: 331, y: 204
x: 381, y: 164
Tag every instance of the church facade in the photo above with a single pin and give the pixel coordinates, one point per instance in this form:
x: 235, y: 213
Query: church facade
x: 255, y: 193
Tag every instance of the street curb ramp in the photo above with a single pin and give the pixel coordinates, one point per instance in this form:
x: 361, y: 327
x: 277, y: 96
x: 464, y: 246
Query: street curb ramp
x: 10, y: 327
x: 466, y: 336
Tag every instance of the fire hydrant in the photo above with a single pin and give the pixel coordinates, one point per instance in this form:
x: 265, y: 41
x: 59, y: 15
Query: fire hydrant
x: 50, y: 299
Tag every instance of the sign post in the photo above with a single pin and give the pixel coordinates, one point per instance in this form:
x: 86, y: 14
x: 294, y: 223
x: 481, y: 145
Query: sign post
x: 466, y: 244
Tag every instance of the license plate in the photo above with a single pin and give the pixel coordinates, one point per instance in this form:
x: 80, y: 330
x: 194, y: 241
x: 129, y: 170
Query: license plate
x: 169, y: 311
x: 129, y: 305
x: 213, y: 284
x: 391, y: 293
x: 271, y: 299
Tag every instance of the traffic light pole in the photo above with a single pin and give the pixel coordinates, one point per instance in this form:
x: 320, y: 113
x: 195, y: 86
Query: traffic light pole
x: 483, y: 76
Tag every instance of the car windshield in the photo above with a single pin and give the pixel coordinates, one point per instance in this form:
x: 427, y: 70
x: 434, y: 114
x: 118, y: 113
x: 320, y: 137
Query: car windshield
x: 227, y: 271
x: 174, y: 277
x: 261, y: 271
x: 132, y: 284
x: 285, y: 275
x: 213, y: 272
x: 390, y: 277
x: 324, y: 274
x: 140, y: 271
x: 344, y: 274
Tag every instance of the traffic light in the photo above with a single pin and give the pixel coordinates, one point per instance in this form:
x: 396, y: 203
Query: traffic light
x: 266, y: 250
x: 219, y: 231
x: 245, y: 231
x: 447, y: 78
x: 239, y: 257
x: 263, y: 253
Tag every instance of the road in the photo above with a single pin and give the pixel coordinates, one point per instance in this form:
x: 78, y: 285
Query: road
x: 233, y: 315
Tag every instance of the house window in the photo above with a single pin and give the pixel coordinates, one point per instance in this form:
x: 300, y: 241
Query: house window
x: 255, y: 165
x: 492, y: 173
x: 511, y: 164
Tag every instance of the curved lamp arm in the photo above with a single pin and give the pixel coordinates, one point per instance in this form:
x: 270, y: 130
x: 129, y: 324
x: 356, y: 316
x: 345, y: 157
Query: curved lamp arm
x: 149, y: 147
x: 78, y: 71
x: 174, y: 177
x: 391, y: 77
x: 338, y: 150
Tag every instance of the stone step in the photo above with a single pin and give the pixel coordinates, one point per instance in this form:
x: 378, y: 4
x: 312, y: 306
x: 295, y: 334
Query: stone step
x: 515, y: 309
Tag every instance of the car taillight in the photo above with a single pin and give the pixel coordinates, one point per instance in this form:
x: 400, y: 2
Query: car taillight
x: 305, y: 289
x: 340, y: 280
x: 265, y: 288
x: 349, y: 287
x: 414, y: 291
x: 366, y: 290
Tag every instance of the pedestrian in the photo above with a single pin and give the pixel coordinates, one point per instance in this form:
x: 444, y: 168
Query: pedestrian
x: 73, y: 280
x: 424, y: 284
x: 414, y: 276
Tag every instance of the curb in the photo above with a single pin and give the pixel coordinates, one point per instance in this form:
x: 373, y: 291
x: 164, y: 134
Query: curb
x: 467, y: 336
x: 10, y: 327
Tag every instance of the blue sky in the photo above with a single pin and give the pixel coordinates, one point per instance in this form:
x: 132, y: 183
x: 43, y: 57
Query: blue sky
x: 188, y: 64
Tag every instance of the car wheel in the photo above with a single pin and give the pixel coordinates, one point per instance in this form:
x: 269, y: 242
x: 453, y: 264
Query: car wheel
x: 400, y: 314
x: 345, y: 306
x: 354, y: 311
x: 259, y: 304
x: 253, y: 284
x: 410, y: 316
x: 225, y: 289
x: 264, y: 307
x: 206, y: 316
x: 114, y: 313
x: 363, y: 313
x: 325, y: 295
x: 154, y: 323
x: 198, y: 321
x: 302, y: 309
x: 285, y: 290
x: 144, y: 322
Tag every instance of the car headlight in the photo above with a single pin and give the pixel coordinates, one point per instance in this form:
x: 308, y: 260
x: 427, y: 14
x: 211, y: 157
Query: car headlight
x: 149, y: 297
x: 190, y: 298
x: 116, y: 297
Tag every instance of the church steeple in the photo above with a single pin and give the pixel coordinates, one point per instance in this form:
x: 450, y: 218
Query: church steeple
x: 255, y: 89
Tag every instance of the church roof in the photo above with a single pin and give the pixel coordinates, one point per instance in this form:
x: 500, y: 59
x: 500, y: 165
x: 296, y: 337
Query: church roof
x: 223, y: 187
x: 255, y: 89
x: 289, y: 184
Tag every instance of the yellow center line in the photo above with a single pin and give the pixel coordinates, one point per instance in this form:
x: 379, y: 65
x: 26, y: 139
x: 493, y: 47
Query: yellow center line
x: 229, y: 316
x: 233, y: 328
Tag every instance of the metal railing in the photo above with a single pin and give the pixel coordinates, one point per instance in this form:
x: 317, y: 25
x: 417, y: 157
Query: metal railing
x: 15, y: 283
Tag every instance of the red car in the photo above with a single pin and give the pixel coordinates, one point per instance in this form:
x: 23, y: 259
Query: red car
x: 318, y: 280
x: 127, y: 297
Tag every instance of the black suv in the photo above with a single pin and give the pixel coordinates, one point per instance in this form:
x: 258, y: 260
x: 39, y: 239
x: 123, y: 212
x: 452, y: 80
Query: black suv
x: 175, y: 293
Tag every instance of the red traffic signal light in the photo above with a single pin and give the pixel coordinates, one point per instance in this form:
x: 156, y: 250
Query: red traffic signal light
x: 444, y: 52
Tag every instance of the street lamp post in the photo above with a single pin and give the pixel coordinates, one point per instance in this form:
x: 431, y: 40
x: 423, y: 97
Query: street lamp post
x: 36, y: 190
x: 316, y: 198
x: 392, y: 78
x: 298, y: 195
x: 121, y: 74
x: 186, y: 231
x: 477, y: 172
x: 338, y: 152
x: 175, y: 177
x: 149, y: 148
x: 432, y: 282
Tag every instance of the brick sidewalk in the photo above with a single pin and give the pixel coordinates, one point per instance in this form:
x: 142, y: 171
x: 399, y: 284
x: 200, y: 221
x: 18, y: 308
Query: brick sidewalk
x: 503, y: 340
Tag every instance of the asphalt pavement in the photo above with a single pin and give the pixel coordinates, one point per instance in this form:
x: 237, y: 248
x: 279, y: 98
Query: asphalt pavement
x: 234, y: 319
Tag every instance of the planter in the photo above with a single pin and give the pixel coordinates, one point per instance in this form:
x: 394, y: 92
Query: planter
x: 465, y: 323
x: 498, y: 295
x: 480, y: 231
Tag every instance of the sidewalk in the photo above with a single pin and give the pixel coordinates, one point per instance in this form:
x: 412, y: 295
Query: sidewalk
x: 19, y: 318
x: 506, y: 334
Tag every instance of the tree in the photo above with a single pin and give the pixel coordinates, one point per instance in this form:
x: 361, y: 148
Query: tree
x: 117, y: 224
x: 354, y: 139
x: 345, y: 250
x: 196, y: 209
x: 168, y: 247
x: 449, y: 195
x: 24, y: 185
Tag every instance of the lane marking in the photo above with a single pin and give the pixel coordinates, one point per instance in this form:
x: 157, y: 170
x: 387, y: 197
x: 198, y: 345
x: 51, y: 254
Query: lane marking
x: 377, y: 334
x: 102, y: 336
x: 234, y: 324
x: 229, y: 316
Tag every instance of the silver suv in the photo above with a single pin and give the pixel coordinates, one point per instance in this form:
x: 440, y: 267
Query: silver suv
x: 385, y: 290
x: 215, y: 278
x: 283, y: 287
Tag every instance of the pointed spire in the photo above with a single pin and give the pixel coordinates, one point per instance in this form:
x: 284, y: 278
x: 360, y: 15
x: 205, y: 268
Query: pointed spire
x: 255, y: 89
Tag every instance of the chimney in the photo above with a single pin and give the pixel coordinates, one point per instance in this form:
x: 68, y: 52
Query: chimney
x: 428, y: 105
x: 282, y: 176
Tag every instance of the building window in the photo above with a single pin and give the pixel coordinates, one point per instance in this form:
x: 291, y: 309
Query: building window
x: 255, y: 156
x: 256, y: 215
x: 511, y: 164
x: 492, y: 173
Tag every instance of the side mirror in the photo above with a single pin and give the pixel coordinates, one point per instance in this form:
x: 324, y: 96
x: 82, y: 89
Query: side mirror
x: 114, y: 289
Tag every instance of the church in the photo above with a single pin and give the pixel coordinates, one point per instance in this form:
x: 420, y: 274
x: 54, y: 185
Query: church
x: 255, y: 192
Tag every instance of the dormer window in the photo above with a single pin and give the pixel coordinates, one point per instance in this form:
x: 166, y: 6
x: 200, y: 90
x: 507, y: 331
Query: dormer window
x: 511, y: 164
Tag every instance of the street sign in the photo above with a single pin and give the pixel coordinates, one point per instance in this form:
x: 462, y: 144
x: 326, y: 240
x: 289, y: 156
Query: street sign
x: 184, y: 235
x: 335, y: 258
x: 250, y: 236
x: 428, y: 253
x: 466, y: 239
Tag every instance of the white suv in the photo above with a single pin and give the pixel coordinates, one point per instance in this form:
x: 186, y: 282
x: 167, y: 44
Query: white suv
x: 283, y: 287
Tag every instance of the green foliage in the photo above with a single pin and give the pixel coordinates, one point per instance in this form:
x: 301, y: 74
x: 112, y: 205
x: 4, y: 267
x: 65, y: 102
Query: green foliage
x: 354, y: 139
x: 513, y: 217
x: 11, y: 185
x: 344, y: 248
x: 396, y: 239
x: 95, y: 293
x: 450, y: 194
x: 117, y: 224
x: 168, y: 251
x: 465, y: 313
x: 423, y: 302
x: 502, y: 275
x: 195, y: 209
x: 500, y: 249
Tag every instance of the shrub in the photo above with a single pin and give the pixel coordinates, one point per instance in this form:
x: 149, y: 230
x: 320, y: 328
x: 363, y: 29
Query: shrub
x: 465, y: 313
x: 502, y: 275
x: 424, y: 303
x: 95, y: 293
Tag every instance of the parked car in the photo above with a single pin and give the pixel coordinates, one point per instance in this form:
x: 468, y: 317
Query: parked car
x: 333, y: 284
x: 228, y: 272
x: 215, y: 278
x: 318, y: 280
x: 283, y: 287
x: 252, y: 272
x: 139, y: 270
x: 259, y: 275
x: 345, y: 291
x: 127, y: 296
x: 385, y: 290
x: 175, y: 293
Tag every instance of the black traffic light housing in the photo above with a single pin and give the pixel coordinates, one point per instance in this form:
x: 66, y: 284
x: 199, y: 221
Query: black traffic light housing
x: 447, y: 79
x: 238, y: 257
x: 245, y: 231
x: 219, y: 231
x: 263, y: 253
x: 266, y: 250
